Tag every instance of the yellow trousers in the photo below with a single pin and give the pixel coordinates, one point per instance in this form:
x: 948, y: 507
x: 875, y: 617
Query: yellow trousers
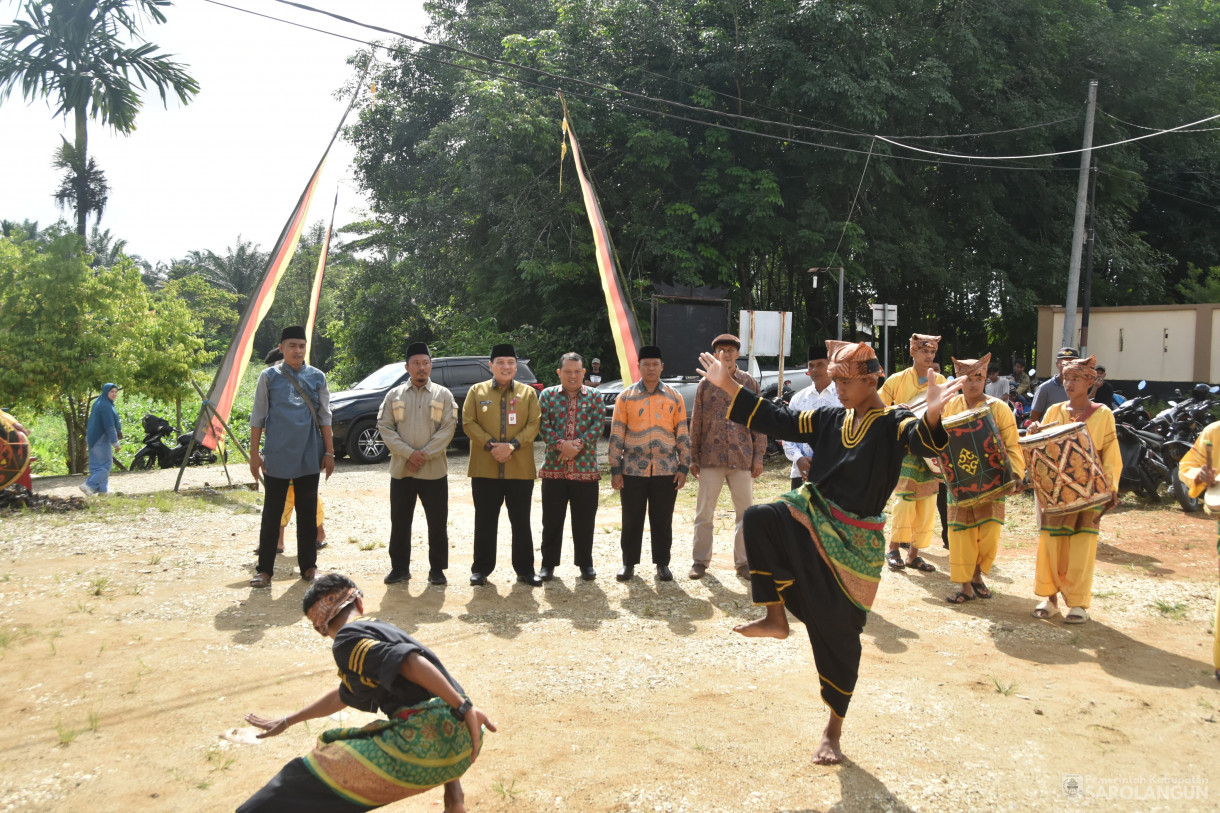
x: 914, y: 521
x: 291, y: 500
x: 972, y: 547
x: 1065, y: 565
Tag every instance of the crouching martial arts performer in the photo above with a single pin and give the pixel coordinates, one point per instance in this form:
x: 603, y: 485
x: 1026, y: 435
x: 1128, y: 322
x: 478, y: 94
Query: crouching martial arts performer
x: 432, y: 736
x: 819, y: 550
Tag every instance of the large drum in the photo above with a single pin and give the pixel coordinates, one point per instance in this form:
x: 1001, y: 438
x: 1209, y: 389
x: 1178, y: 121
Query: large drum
x: 1064, y: 469
x: 975, y: 463
x: 14, y: 452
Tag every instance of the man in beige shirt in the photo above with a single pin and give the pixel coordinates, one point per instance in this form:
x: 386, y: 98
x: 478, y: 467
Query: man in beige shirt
x: 417, y: 420
x: 501, y: 417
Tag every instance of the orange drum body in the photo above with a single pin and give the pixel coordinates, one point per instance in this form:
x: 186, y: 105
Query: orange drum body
x: 975, y: 463
x: 1064, y: 469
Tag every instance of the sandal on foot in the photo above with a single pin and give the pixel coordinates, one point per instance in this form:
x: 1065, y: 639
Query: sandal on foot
x: 261, y: 580
x: 894, y: 560
x: 981, y: 590
x: 1076, y: 615
x: 919, y: 564
x: 959, y: 598
x: 1044, y: 609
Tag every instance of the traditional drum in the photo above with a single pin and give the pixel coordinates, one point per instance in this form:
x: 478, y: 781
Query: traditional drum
x: 1064, y: 469
x: 14, y: 451
x: 975, y: 463
x: 1211, y: 500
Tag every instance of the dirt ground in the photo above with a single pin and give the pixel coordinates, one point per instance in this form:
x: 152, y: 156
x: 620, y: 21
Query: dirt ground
x: 130, y: 642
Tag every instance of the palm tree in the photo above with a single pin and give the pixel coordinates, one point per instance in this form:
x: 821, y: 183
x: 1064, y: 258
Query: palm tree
x: 239, y: 271
x: 73, y: 52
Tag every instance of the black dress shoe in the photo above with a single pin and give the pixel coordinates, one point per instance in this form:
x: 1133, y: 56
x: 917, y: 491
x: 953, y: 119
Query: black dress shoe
x: 396, y: 576
x: 530, y: 579
x: 588, y: 574
x: 437, y: 577
x: 319, y: 544
x: 664, y: 574
x: 477, y: 580
x: 546, y: 573
x: 625, y: 573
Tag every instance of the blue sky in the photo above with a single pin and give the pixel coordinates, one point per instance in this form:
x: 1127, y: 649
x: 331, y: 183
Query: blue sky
x: 232, y: 162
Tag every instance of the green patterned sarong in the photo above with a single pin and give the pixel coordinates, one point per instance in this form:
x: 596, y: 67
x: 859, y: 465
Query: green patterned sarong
x: 853, y: 546
x: 388, y: 760
x: 916, y: 481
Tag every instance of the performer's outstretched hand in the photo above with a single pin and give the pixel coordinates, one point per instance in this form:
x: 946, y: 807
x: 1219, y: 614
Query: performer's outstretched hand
x: 270, y: 728
x: 475, y: 721
x: 717, y: 373
x: 938, y: 395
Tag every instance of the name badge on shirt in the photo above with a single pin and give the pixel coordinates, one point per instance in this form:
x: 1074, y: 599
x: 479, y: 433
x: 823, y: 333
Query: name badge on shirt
x: 512, y: 419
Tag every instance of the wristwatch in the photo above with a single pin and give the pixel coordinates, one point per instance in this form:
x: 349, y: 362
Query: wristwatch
x: 460, y: 712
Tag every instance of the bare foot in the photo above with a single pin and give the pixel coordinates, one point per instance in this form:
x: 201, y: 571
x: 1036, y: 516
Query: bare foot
x: 828, y: 752
x: 767, y: 627
x: 455, y: 799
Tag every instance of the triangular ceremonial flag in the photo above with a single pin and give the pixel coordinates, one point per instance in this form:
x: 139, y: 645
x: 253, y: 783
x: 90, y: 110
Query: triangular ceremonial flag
x: 315, y: 293
x: 209, y: 428
x: 623, y: 326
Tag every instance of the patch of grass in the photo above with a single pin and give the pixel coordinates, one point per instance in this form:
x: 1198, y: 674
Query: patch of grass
x: 508, y: 791
x: 155, y: 559
x: 5, y: 577
x: 82, y: 607
x: 65, y: 734
x: 99, y: 584
x: 136, y: 589
x: 219, y: 758
x: 1104, y: 593
x: 1005, y: 689
x: 371, y: 545
x: 51, y: 638
x: 1175, y: 611
x: 351, y: 540
x: 95, y: 719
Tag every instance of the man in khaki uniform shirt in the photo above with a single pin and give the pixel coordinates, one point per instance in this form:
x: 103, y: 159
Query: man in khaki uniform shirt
x: 501, y: 417
x: 417, y: 420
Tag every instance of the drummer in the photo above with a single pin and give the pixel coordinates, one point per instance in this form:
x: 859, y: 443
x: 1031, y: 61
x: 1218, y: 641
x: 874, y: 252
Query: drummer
x: 1067, y: 547
x: 974, y: 531
x: 915, y: 512
x: 1199, y: 470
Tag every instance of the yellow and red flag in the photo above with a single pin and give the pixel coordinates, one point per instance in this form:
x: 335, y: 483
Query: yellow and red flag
x: 315, y: 293
x: 622, y: 316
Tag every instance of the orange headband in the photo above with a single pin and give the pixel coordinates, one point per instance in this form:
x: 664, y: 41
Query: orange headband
x: 330, y: 605
x: 849, y: 360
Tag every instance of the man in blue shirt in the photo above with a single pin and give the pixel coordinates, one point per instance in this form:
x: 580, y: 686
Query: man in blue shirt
x: 1051, y: 391
x: 292, y: 410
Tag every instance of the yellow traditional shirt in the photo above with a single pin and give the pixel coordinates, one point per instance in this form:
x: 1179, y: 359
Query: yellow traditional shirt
x: 901, y: 388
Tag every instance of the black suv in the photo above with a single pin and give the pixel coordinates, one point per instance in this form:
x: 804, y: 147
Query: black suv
x: 354, y: 411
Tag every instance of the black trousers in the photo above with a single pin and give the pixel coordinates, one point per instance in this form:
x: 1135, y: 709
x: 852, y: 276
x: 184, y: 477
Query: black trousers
x: 656, y: 496
x: 276, y: 494
x: 489, y: 494
x: 434, y: 495
x: 942, y: 508
x: 557, y: 495
x: 295, y: 788
x: 785, y: 566
x: 795, y: 482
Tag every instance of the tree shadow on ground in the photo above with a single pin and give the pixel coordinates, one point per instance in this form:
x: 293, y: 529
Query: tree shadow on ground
x: 887, y: 636
x: 1054, y: 642
x: 1117, y: 556
x: 585, y: 604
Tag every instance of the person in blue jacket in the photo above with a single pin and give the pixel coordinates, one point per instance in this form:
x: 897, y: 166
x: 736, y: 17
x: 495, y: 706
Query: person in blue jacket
x: 102, y: 436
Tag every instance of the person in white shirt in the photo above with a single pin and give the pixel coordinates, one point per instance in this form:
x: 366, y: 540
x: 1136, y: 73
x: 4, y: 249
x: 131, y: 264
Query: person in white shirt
x: 997, y: 386
x: 595, y: 374
x: 821, y: 392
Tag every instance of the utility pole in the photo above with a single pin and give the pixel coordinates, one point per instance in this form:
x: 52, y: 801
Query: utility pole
x: 1082, y: 195
x: 1088, y: 264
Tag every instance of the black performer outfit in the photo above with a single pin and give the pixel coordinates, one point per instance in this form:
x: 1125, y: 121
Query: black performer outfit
x: 819, y: 550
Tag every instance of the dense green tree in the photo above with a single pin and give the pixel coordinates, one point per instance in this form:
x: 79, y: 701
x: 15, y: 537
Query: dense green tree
x: 70, y: 327
x: 463, y: 167
x: 90, y: 59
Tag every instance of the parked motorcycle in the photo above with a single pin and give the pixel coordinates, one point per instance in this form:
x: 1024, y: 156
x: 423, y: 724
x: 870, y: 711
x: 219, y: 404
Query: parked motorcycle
x: 1188, y: 420
x: 157, y: 451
